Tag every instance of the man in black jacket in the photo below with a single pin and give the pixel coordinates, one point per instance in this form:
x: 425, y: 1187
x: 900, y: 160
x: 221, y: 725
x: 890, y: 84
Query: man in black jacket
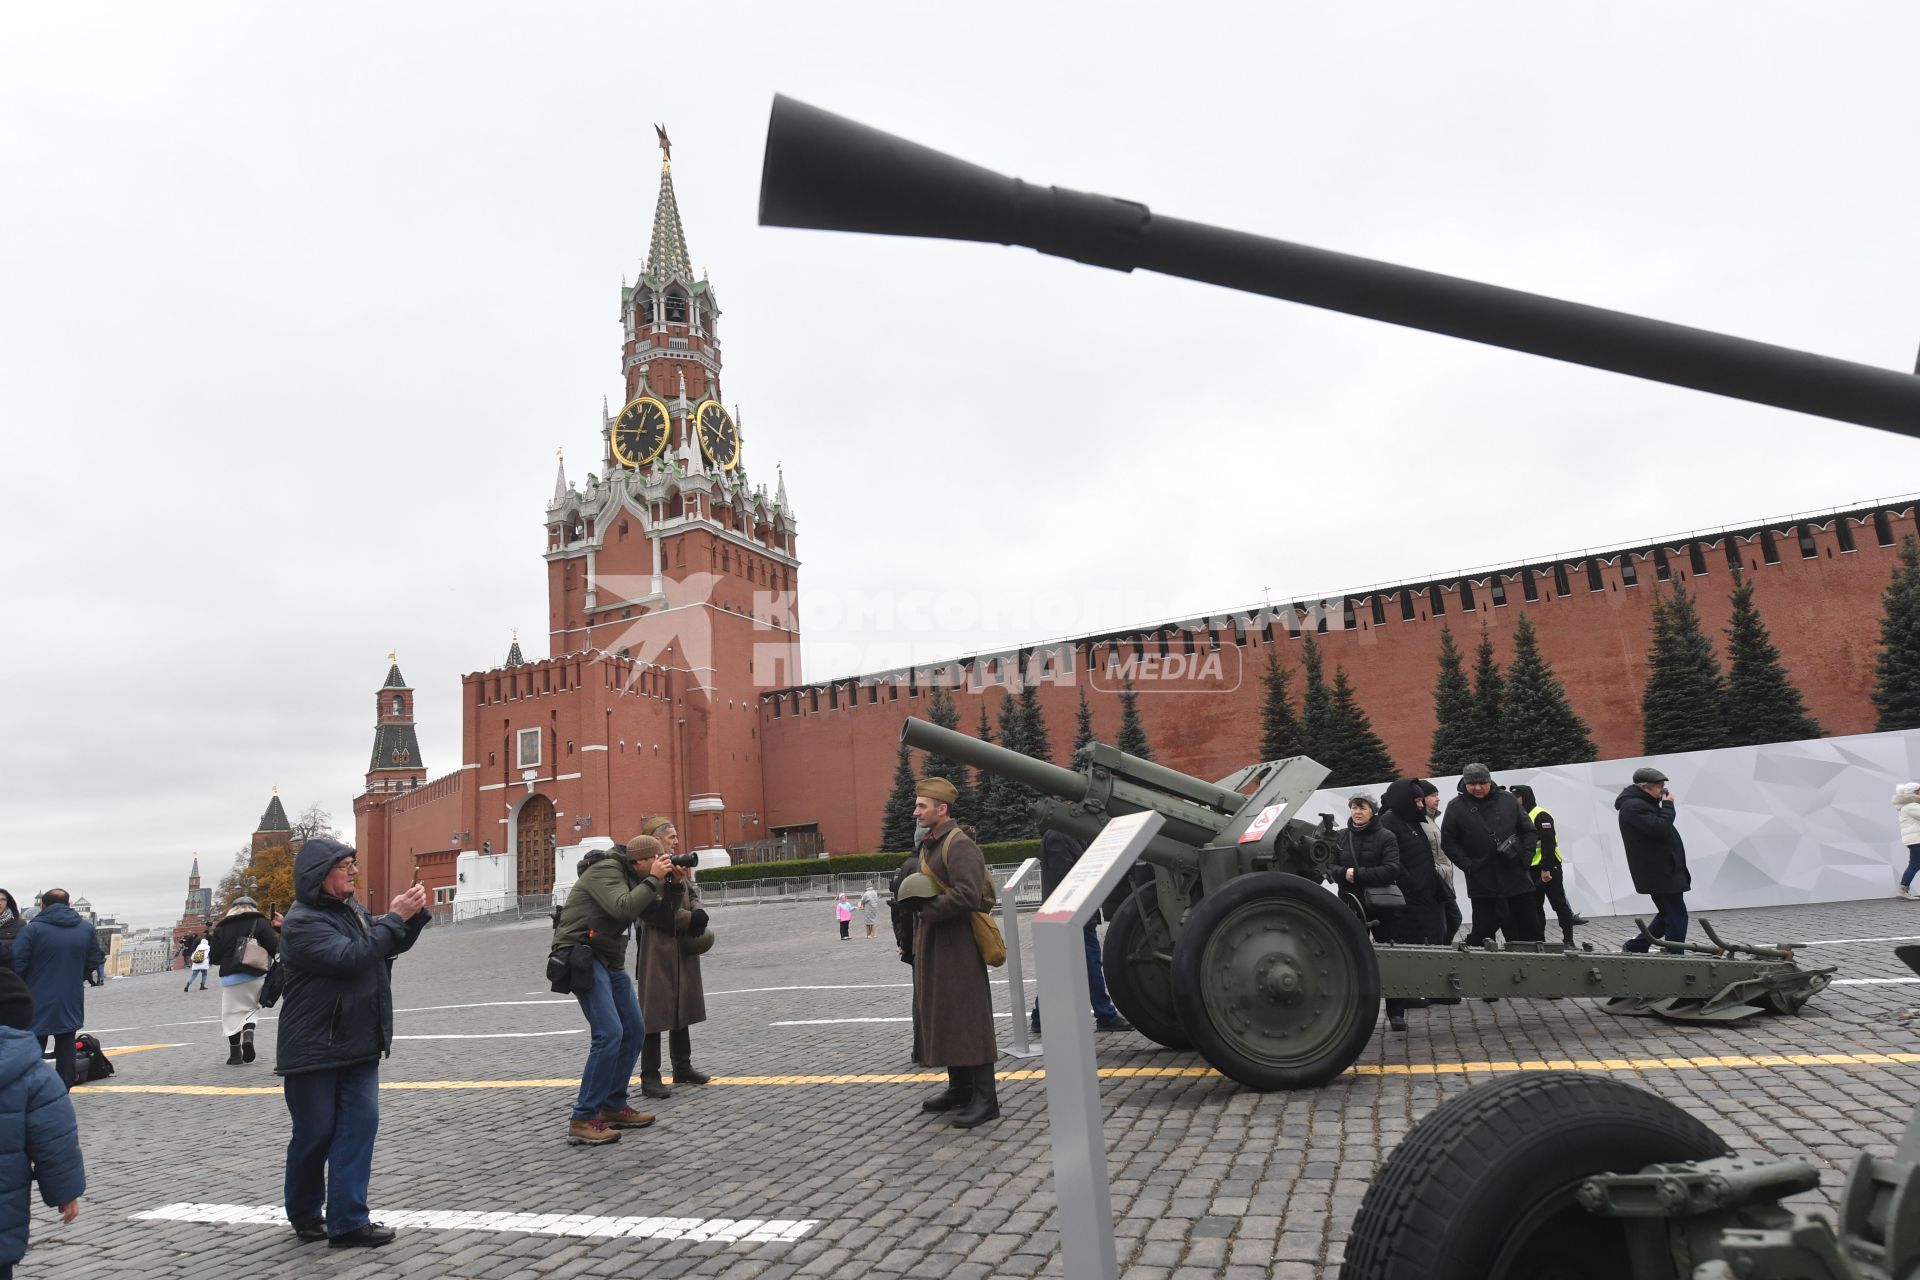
x: 1487, y: 836
x: 336, y: 1023
x: 1656, y: 855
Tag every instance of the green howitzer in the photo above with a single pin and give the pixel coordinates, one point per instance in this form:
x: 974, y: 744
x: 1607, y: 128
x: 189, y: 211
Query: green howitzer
x: 1579, y: 1176
x: 1234, y: 946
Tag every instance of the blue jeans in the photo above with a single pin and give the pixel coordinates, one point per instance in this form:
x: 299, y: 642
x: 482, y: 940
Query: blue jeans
x: 613, y: 1014
x: 335, y: 1117
x: 1103, y: 1008
x: 1669, y: 921
x: 1913, y: 863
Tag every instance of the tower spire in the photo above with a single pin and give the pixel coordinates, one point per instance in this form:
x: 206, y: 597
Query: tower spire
x: 560, y: 479
x: 667, y: 255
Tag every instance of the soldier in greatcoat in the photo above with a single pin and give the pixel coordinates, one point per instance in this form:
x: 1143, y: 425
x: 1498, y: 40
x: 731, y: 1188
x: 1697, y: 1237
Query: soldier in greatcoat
x: 952, y: 1003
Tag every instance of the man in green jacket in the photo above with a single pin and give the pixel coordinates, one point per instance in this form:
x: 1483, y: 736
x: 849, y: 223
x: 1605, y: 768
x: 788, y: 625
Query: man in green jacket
x: 614, y: 887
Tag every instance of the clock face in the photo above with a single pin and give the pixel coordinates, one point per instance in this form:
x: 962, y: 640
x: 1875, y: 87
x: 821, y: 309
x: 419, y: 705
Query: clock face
x: 640, y: 432
x: 719, y: 438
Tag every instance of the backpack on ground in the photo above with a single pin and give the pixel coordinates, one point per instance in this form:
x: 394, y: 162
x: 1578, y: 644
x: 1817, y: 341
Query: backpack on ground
x: 90, y: 1062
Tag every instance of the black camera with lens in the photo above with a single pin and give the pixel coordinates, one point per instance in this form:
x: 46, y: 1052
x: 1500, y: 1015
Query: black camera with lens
x: 685, y: 859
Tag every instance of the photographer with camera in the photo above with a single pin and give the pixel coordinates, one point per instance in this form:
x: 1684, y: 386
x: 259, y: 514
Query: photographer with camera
x: 590, y: 950
x: 666, y: 967
x: 1486, y: 834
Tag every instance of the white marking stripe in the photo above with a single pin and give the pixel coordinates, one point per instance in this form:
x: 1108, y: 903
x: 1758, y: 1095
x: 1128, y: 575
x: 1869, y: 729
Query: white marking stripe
x: 1841, y: 942
x: 1875, y: 982
x: 497, y: 1035
x: 712, y: 1230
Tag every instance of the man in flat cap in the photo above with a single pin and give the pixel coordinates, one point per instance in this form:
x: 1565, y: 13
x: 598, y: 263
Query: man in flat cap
x: 1656, y: 855
x: 615, y: 886
x: 1486, y: 834
x: 952, y: 1004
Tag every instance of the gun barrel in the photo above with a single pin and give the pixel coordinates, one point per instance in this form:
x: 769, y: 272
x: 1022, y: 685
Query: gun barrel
x: 824, y: 171
x: 1047, y: 779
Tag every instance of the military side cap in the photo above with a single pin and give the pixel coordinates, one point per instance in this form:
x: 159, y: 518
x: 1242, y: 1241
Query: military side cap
x: 937, y: 789
x: 1476, y: 773
x: 652, y: 825
x: 917, y: 885
x: 644, y: 848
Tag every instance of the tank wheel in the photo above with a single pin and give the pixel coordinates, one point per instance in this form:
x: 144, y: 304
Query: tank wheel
x: 1137, y: 978
x: 1277, y: 983
x: 1483, y: 1189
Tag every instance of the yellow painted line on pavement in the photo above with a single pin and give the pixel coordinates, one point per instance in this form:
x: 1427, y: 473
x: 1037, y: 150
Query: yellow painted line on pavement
x: 1117, y: 1073
x: 115, y: 1050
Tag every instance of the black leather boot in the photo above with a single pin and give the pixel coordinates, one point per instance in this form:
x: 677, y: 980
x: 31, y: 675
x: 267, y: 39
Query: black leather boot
x: 680, y: 1049
x: 246, y: 1043
x: 985, y: 1103
x: 958, y: 1093
x: 650, y: 1082
x: 233, y: 1050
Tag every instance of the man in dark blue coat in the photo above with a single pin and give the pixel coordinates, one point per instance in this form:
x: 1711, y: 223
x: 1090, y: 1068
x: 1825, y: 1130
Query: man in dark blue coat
x: 1486, y: 834
x: 39, y: 1136
x: 1656, y: 855
x: 336, y: 1023
x: 58, y: 954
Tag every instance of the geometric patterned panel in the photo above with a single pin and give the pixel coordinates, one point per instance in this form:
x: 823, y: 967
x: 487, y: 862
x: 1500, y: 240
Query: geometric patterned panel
x: 1765, y: 826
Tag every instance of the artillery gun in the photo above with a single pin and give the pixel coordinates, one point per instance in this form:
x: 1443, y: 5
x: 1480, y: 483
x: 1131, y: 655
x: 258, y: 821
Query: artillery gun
x: 1234, y: 946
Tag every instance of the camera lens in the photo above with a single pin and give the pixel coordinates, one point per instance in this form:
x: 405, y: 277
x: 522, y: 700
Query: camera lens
x: 686, y: 859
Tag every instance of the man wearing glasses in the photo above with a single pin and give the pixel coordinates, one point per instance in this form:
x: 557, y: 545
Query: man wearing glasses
x: 336, y: 1023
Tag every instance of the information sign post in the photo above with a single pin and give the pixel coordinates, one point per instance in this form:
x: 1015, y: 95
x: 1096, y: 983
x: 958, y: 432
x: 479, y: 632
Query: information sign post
x: 1074, y: 1117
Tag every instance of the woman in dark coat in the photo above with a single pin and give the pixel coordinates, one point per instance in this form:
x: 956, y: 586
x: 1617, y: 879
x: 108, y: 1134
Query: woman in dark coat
x: 1423, y: 921
x: 10, y: 926
x: 240, y: 984
x: 1367, y: 856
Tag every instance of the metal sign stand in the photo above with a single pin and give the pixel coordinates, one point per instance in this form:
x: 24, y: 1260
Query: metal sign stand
x: 1016, y: 976
x: 1080, y: 1185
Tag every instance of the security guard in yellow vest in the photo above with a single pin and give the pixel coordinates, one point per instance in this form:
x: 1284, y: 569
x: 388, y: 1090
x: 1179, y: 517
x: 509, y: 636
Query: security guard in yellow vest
x: 1549, y: 879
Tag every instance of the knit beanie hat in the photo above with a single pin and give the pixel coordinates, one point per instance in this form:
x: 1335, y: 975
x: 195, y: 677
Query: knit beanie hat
x: 16, y: 1002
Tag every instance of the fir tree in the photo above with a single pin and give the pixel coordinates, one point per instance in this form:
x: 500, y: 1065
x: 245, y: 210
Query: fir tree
x: 1489, y: 691
x: 1280, y: 732
x: 1316, y: 701
x: 1082, y: 723
x: 1683, y: 706
x: 1762, y: 704
x: 1006, y: 817
x: 1896, y: 671
x: 982, y: 780
x: 1352, y: 750
x: 941, y: 711
x: 1035, y: 740
x: 1541, y: 727
x: 1133, y: 736
x: 896, y: 828
x: 1453, y: 710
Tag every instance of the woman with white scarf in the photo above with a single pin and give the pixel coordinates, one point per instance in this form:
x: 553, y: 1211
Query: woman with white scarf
x: 243, y: 944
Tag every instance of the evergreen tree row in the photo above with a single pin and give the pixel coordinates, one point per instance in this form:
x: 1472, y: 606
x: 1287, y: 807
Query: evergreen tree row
x: 1330, y: 726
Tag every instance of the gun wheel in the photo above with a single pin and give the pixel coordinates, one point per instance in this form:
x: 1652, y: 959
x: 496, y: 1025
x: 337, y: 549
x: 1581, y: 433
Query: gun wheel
x: 1483, y: 1188
x: 1138, y: 979
x: 1277, y: 983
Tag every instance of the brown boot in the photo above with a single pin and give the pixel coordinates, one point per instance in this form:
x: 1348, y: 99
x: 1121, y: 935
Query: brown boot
x: 590, y: 1133
x: 626, y: 1118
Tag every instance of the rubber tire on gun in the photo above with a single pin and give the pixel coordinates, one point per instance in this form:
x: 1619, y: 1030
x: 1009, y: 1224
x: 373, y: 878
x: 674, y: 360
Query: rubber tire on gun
x: 1277, y: 983
x: 1140, y: 985
x: 1483, y: 1188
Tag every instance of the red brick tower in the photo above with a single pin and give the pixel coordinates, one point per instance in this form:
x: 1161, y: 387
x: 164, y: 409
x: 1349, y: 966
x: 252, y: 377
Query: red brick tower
x: 670, y: 557
x: 396, y: 763
x: 193, y: 917
x: 274, y: 829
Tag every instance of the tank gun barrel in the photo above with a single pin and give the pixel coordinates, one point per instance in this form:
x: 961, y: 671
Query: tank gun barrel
x: 826, y: 172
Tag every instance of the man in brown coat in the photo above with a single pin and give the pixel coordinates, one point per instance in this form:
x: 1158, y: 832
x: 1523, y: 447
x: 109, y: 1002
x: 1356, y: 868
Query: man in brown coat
x: 952, y: 1003
x: 666, y: 970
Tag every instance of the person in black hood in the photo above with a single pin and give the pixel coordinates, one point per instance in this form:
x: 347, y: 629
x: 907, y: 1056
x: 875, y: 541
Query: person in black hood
x: 336, y: 1023
x: 10, y: 926
x: 1486, y: 835
x: 1656, y: 855
x: 1367, y: 856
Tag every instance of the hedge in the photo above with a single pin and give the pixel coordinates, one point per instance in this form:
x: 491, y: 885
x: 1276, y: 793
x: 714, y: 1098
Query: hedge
x: 1011, y: 851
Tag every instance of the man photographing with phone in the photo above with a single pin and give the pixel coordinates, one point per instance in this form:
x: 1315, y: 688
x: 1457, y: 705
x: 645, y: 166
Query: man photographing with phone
x: 1656, y: 855
x: 590, y: 941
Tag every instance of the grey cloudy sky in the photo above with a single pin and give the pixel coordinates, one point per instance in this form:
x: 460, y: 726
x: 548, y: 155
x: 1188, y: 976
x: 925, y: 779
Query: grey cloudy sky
x: 296, y: 303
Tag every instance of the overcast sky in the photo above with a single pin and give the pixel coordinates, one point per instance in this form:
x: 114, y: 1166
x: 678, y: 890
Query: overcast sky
x: 297, y: 302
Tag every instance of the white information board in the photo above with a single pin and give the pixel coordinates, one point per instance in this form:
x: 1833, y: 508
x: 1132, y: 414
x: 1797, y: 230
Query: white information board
x: 1095, y: 873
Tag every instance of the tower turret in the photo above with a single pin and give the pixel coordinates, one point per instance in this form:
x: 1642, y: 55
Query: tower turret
x: 396, y: 764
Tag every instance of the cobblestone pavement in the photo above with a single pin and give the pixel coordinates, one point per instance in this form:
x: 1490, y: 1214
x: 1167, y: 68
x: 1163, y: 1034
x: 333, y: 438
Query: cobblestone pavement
x: 1208, y: 1179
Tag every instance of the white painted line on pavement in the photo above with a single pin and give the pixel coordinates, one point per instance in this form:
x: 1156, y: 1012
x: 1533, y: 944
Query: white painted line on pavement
x: 850, y: 986
x: 497, y: 1035
x: 710, y: 1230
x: 1875, y: 982
x: 1841, y: 942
